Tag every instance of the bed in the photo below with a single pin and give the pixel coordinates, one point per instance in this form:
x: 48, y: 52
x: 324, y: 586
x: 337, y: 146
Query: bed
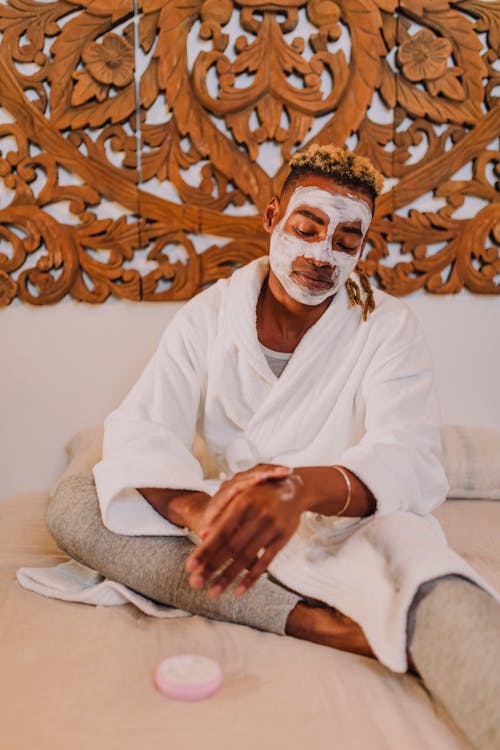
x: 78, y: 676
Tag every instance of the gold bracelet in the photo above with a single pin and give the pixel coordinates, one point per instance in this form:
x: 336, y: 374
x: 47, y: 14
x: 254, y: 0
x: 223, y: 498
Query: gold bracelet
x: 348, y: 485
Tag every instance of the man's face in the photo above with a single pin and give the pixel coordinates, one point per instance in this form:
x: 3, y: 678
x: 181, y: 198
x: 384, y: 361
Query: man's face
x: 317, y: 235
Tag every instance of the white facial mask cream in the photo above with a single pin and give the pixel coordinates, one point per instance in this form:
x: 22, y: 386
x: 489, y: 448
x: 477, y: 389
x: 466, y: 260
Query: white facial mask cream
x: 285, y: 247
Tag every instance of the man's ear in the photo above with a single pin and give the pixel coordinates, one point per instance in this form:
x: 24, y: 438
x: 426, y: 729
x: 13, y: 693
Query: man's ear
x: 271, y: 214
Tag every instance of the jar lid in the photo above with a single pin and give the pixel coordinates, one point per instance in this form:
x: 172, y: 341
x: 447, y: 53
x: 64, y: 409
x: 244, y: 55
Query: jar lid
x: 188, y: 677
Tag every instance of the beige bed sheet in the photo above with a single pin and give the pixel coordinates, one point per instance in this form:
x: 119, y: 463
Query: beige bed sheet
x: 77, y: 677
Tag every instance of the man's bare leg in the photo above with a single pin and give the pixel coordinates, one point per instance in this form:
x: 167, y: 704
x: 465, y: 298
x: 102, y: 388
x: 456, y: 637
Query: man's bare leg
x: 328, y: 627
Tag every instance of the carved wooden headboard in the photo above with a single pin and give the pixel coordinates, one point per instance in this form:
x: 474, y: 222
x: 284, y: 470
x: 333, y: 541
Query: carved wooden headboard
x: 139, y: 141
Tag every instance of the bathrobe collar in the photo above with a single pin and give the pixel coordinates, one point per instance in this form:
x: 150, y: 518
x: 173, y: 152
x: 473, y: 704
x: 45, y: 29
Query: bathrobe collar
x: 244, y: 290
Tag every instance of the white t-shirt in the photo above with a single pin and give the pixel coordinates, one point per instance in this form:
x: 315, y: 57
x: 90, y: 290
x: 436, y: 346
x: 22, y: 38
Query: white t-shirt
x: 277, y: 361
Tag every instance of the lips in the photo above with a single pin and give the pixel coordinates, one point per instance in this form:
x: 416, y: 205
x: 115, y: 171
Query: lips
x: 317, y: 281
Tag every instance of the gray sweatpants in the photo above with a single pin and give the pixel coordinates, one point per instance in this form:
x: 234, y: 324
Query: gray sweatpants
x: 154, y: 566
x: 453, y: 626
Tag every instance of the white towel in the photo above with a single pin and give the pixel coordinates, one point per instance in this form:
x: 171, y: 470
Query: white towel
x: 74, y: 582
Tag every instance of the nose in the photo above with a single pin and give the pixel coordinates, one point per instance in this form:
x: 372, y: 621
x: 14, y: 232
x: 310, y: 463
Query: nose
x: 319, y: 263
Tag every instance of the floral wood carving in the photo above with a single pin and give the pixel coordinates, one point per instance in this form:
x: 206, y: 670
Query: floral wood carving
x: 163, y: 148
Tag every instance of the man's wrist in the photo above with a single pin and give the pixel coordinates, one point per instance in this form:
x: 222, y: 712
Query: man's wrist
x: 184, y: 508
x: 326, y: 491
x: 312, y: 490
x: 179, y: 506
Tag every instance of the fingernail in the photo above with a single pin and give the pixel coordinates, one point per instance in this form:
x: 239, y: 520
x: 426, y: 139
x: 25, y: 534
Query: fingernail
x: 215, y: 591
x: 239, y: 590
x: 196, y: 582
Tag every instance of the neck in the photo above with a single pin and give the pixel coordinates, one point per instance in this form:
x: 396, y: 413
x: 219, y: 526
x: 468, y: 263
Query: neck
x: 281, y: 320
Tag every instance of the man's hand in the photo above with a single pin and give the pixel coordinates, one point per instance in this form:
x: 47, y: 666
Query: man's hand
x: 246, y: 532
x: 241, y: 481
x: 197, y: 510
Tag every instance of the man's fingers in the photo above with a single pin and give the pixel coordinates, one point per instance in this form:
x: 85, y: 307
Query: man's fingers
x: 220, y: 503
x: 242, y: 522
x: 250, y: 479
x: 241, y: 550
x: 219, y: 546
x: 259, y: 567
x: 244, y: 561
x: 214, y: 512
x: 275, y: 472
x: 223, y: 498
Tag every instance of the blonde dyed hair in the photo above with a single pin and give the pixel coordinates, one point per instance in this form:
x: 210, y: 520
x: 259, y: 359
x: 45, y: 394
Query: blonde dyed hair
x: 352, y: 171
x: 353, y: 292
x: 343, y: 166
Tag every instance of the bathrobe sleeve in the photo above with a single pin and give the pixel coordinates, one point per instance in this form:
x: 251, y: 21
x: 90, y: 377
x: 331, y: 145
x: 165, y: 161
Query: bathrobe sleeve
x: 148, y: 439
x: 399, y: 456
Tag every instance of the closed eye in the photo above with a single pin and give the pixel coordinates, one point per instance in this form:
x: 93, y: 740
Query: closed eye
x: 347, y: 249
x: 301, y: 233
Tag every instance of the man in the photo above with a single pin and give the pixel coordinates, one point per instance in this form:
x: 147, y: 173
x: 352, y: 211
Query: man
x: 316, y: 400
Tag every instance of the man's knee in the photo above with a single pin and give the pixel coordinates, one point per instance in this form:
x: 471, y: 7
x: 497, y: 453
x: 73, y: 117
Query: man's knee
x: 73, y: 512
x: 74, y: 520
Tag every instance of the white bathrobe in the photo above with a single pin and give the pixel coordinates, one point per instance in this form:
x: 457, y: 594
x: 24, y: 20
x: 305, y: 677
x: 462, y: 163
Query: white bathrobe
x: 354, y: 393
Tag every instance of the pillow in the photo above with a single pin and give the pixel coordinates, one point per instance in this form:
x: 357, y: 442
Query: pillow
x: 84, y: 450
x: 471, y: 459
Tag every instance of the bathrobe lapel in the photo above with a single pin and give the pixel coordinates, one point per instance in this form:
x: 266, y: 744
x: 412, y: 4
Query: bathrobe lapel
x: 269, y: 398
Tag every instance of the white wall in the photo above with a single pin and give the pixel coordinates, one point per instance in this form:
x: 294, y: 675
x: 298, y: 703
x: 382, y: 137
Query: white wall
x: 65, y: 367
x: 463, y: 333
